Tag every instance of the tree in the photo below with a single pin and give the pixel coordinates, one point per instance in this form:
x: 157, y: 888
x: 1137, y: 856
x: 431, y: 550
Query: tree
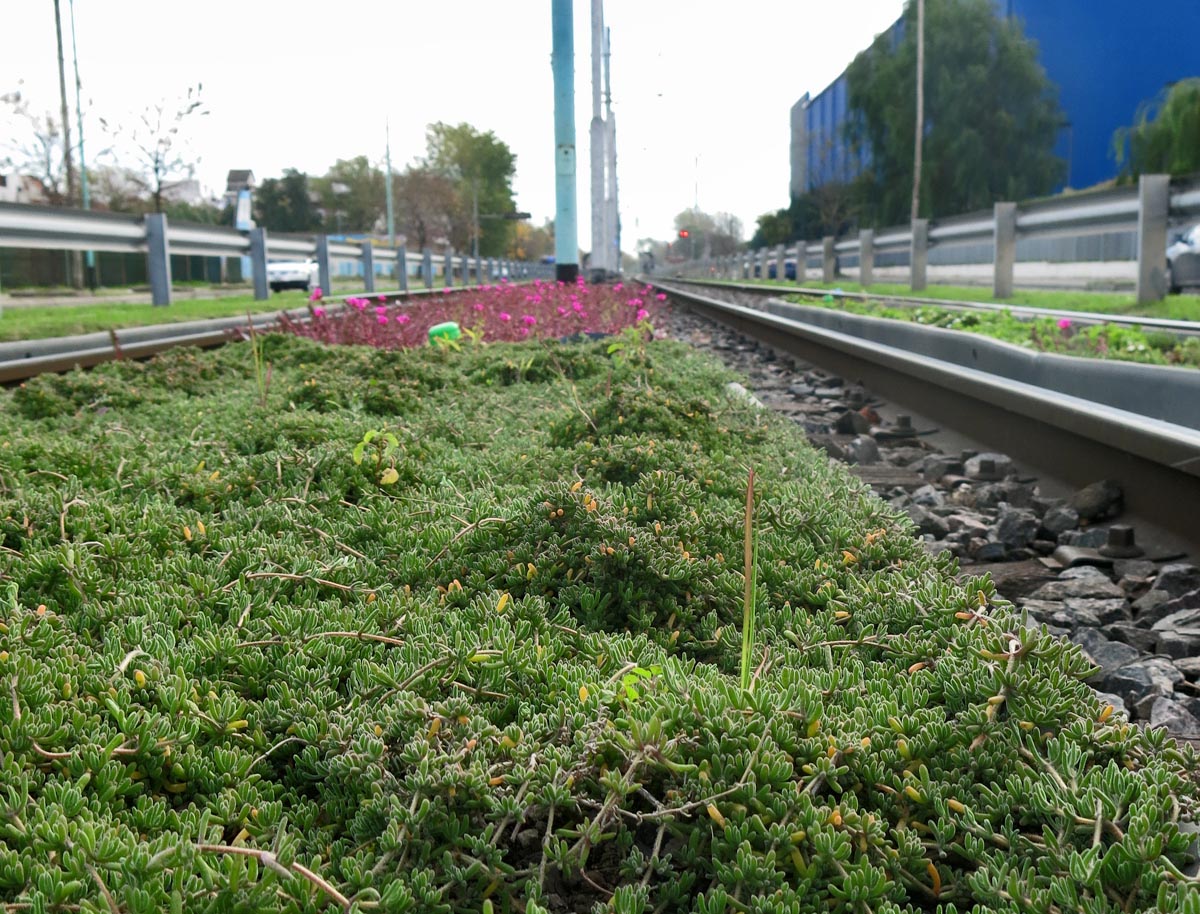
x: 531, y: 242
x: 992, y: 117
x: 353, y: 195
x: 160, y: 145
x: 482, y: 167
x: 286, y: 204
x: 714, y: 235
x: 429, y: 210
x: 34, y: 147
x: 1166, y: 137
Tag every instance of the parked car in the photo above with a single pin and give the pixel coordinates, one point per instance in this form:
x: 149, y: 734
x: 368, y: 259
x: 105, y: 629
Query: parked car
x: 789, y: 269
x: 293, y: 274
x: 1183, y: 260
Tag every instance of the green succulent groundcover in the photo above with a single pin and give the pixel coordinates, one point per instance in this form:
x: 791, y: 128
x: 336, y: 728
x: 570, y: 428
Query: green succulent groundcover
x: 459, y: 630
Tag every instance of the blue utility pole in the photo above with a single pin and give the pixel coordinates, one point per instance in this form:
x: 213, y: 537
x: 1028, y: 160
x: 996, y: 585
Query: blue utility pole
x: 566, y: 237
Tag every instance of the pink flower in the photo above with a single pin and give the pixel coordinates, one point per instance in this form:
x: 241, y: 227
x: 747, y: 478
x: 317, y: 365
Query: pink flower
x: 618, y: 287
x: 504, y: 316
x: 478, y: 306
x: 561, y: 311
x: 636, y: 302
x: 381, y: 298
x: 402, y: 318
x: 661, y: 296
x: 317, y: 294
x: 318, y: 312
x: 380, y: 309
x: 1064, y: 324
x: 446, y: 290
x: 529, y: 320
x: 642, y: 314
x: 576, y: 306
x: 524, y: 331
x: 382, y: 318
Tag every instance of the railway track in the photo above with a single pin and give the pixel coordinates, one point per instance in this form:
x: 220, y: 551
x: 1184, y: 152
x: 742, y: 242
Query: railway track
x: 26, y: 359
x: 1076, y: 420
x: 1164, y: 325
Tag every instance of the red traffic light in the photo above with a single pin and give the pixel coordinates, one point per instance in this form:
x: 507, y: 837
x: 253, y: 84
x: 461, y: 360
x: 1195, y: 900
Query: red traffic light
x: 684, y: 233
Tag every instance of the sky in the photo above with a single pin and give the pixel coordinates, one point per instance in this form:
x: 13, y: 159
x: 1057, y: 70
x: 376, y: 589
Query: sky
x: 701, y: 88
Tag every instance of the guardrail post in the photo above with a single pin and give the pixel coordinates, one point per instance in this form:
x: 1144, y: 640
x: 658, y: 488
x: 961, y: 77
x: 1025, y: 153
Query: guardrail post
x: 448, y: 268
x: 866, y: 257
x: 828, y: 259
x: 368, y: 262
x: 158, y: 258
x: 744, y: 260
x: 1154, y: 203
x: 780, y: 257
x: 801, y: 262
x: 1004, y: 257
x: 258, y: 263
x: 427, y: 267
x: 466, y: 270
x: 919, y: 257
x: 324, y: 274
x: 402, y: 268
x: 478, y: 270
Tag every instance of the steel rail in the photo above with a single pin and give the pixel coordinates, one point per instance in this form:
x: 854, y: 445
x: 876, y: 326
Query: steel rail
x: 1073, y: 439
x: 24, y: 359
x: 1166, y: 325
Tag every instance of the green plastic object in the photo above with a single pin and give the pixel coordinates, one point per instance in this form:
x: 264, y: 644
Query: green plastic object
x: 445, y: 331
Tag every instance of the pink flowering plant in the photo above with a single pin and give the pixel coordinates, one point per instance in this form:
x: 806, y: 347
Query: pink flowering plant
x: 494, y: 313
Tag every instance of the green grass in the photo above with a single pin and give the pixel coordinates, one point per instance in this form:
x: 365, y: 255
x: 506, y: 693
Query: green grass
x: 1174, y: 307
x: 42, y: 321
x: 488, y: 661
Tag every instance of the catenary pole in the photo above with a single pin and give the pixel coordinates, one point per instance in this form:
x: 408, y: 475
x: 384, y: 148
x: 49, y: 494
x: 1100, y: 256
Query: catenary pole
x: 566, y: 229
x: 920, y: 131
x: 84, y: 191
x: 598, y: 136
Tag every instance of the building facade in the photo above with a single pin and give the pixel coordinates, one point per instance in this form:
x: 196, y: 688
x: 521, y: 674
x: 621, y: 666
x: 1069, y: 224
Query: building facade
x: 1106, y: 57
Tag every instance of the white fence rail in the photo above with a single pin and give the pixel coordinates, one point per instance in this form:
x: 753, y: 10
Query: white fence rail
x: 1147, y: 211
x: 50, y: 228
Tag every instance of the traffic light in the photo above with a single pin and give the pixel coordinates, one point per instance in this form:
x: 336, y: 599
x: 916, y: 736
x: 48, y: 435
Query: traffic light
x: 684, y: 233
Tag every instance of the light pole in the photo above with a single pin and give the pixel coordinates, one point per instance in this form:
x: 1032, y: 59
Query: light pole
x: 916, y: 194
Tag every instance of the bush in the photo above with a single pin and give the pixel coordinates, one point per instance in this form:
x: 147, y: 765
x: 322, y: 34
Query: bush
x: 243, y: 670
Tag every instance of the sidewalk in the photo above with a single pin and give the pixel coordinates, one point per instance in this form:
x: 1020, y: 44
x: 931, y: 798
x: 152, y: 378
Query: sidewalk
x: 117, y: 297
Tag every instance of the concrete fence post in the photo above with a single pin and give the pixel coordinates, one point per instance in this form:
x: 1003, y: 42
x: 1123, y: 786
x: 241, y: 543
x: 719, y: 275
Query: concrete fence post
x: 368, y: 262
x: 158, y: 258
x: 1154, y: 203
x: 448, y: 268
x: 828, y: 259
x: 465, y: 265
x: 801, y: 262
x: 478, y: 270
x: 427, y: 267
x: 324, y: 274
x: 866, y: 257
x: 402, y: 268
x: 780, y: 257
x: 1004, y: 256
x: 258, y: 263
x: 919, y: 257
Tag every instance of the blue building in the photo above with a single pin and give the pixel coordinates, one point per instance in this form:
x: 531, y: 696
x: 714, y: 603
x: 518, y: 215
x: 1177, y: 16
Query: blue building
x: 1107, y: 57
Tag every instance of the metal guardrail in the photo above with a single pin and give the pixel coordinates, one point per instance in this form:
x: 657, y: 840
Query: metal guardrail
x: 53, y: 228
x: 1147, y: 210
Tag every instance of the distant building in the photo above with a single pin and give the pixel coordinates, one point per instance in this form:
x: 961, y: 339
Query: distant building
x: 188, y: 191
x: 16, y: 188
x: 1107, y: 57
x: 237, y: 180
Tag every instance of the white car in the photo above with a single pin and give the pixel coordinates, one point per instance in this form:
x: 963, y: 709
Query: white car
x: 293, y: 274
x: 1183, y: 260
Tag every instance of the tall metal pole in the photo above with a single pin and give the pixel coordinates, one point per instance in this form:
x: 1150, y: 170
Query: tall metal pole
x: 68, y: 161
x: 566, y: 229
x: 391, y: 215
x: 599, y: 256
x: 916, y: 193
x: 86, y: 197
x: 612, y: 221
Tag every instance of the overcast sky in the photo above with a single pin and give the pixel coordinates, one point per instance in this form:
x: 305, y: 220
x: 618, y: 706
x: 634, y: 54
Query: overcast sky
x: 701, y: 88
